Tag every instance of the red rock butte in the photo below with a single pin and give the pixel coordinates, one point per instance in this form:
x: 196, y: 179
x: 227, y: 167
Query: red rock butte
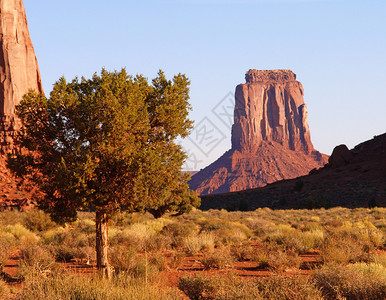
x: 271, y: 139
x: 19, y: 72
x: 19, y: 69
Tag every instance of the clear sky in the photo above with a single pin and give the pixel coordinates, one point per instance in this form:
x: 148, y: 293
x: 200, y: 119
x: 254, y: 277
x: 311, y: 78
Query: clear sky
x: 337, y: 48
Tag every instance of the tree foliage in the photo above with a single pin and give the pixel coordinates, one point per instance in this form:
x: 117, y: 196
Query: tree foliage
x: 107, y: 143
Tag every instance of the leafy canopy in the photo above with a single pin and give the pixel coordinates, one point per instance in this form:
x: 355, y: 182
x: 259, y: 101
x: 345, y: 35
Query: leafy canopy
x: 107, y: 143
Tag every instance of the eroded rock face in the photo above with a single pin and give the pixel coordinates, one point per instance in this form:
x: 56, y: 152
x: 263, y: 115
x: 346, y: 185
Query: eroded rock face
x: 270, y: 107
x: 270, y: 136
x: 19, y: 69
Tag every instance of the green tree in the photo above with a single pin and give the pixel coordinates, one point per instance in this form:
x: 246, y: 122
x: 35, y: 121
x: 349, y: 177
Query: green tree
x: 109, y: 144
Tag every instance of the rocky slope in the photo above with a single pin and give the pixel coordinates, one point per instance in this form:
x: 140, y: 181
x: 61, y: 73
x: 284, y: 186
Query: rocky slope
x: 270, y: 136
x: 352, y: 178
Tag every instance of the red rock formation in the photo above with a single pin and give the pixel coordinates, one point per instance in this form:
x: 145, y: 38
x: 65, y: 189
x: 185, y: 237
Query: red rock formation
x: 352, y: 178
x: 270, y: 136
x: 19, y: 72
x: 19, y: 69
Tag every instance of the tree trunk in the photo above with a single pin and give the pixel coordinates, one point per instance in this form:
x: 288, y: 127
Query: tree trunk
x: 102, y: 244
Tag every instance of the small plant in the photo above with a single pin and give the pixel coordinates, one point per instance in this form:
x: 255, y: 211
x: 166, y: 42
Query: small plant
x: 197, y: 287
x: 242, y: 251
x: 358, y: 281
x: 196, y: 243
x: 122, y: 258
x: 36, y: 259
x: 36, y: 220
x: 341, y: 250
x: 220, y: 259
x: 276, y: 259
x: 3, y: 289
x: 7, y: 244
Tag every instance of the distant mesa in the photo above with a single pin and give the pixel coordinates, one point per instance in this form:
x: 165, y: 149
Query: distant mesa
x: 270, y: 136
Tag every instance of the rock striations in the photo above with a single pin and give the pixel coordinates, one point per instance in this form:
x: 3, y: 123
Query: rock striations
x: 19, y: 69
x: 19, y: 72
x: 270, y: 136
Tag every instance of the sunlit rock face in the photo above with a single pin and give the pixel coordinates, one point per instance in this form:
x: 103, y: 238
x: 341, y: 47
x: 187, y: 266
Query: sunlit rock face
x: 19, y: 69
x: 270, y: 136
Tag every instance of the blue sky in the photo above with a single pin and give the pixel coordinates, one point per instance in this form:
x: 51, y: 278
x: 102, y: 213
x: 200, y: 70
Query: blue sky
x: 337, y: 48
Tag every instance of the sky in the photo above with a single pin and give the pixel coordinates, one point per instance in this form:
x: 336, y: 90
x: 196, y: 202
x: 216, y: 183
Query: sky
x: 337, y: 48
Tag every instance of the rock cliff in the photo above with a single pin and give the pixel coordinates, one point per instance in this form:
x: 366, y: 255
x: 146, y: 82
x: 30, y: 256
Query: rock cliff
x: 19, y: 69
x: 270, y: 136
x: 19, y: 72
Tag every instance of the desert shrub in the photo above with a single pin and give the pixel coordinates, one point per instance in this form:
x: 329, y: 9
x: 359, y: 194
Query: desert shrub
x: 197, y: 287
x: 67, y: 244
x: 227, y: 232
x: 11, y: 217
x: 128, y: 261
x: 219, y: 259
x: 3, y: 289
x: 36, y: 259
x: 122, y: 257
x: 341, y: 250
x: 287, y: 288
x: 7, y: 244
x: 351, y: 282
x: 233, y: 287
x: 22, y: 234
x: 143, y: 268
x: 276, y: 259
x: 37, y: 220
x: 334, y: 223
x: 142, y: 236
x: 176, y: 259
x: 296, y: 240
x: 65, y: 287
x: 379, y: 258
x: 86, y: 226
x: 242, y: 251
x: 196, y: 243
x: 158, y: 261
x: 371, y: 269
x: 178, y: 232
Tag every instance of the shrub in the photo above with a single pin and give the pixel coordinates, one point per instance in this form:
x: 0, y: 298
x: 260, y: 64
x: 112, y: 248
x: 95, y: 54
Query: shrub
x: 176, y: 259
x: 276, y: 259
x: 220, y: 259
x: 233, y: 287
x: 197, y: 287
x: 7, y: 244
x: 22, y: 234
x: 122, y: 258
x: 380, y: 259
x: 36, y: 259
x: 287, y: 288
x: 64, y: 287
x: 3, y: 289
x: 242, y: 251
x: 196, y: 243
x: 341, y: 250
x: 350, y: 282
x: 67, y: 244
x: 37, y: 220
x: 178, y: 232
